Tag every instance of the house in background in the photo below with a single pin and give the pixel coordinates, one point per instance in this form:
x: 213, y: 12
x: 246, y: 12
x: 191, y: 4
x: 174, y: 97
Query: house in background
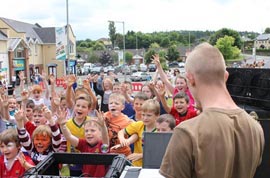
x: 262, y: 41
x: 32, y: 49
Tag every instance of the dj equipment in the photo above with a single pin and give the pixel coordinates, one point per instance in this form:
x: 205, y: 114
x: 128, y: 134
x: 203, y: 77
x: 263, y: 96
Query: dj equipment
x: 49, y: 167
x: 250, y: 89
x: 154, y: 148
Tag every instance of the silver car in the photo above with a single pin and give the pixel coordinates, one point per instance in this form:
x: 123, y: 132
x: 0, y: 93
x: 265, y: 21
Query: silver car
x: 140, y: 76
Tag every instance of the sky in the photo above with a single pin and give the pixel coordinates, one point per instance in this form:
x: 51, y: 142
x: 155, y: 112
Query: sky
x: 89, y: 18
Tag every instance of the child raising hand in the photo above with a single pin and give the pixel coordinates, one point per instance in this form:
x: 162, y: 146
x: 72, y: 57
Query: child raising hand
x: 96, y: 140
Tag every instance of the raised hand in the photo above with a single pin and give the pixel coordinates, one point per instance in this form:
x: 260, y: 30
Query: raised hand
x: 25, y: 95
x: 47, y: 112
x: 52, y: 79
x: 86, y: 83
x: 20, y: 117
x: 156, y: 60
x: 61, y: 117
x: 71, y: 80
x: 160, y: 88
x: 4, y: 101
x: 100, y: 116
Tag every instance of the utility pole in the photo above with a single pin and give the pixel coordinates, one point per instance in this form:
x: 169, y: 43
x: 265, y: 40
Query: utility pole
x: 67, y: 54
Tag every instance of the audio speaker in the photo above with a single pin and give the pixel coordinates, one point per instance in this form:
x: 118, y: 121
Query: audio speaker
x: 49, y: 167
x: 263, y: 170
x: 250, y: 87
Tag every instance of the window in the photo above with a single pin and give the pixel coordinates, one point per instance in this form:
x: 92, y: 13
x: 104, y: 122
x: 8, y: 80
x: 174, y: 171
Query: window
x: 19, y: 52
x: 71, y: 48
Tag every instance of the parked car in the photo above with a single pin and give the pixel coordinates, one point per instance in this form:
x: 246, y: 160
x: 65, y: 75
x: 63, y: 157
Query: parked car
x: 181, y: 64
x: 108, y: 69
x: 140, y: 76
x: 173, y: 64
x: 143, y: 68
x: 97, y: 70
x: 126, y: 70
x: 134, y: 68
x: 152, y: 67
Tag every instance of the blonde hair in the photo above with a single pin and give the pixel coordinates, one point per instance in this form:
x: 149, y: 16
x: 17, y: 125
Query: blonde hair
x: 109, y: 81
x: 85, y: 98
x: 42, y: 130
x: 118, y: 96
x: 151, y: 105
x: 207, y: 64
x: 93, y: 123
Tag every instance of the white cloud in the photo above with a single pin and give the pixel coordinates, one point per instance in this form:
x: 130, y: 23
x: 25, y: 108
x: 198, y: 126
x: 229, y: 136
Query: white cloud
x: 89, y: 19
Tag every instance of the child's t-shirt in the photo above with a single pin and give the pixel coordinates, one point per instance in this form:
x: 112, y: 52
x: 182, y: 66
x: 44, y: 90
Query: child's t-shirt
x: 114, y: 125
x: 77, y: 131
x: 136, y: 128
x: 16, y: 169
x: 92, y: 170
x: 180, y: 118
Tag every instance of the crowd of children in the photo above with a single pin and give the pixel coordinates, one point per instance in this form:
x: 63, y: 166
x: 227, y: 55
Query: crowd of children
x: 73, y: 120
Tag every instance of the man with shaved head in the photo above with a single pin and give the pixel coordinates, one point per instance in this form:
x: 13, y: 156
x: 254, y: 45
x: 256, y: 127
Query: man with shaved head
x: 223, y: 141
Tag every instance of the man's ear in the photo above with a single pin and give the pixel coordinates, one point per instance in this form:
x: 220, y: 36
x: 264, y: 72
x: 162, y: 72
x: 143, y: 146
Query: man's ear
x: 226, y: 76
x: 190, y: 79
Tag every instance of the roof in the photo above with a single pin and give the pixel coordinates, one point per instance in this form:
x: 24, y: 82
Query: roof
x: 14, y: 42
x: 34, y: 31
x: 263, y: 37
x: 3, y: 36
x: 47, y: 35
x: 22, y: 27
x: 137, y: 57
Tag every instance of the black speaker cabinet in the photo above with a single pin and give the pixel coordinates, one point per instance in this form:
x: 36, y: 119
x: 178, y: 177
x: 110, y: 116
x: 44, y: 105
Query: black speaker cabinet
x: 263, y: 170
x: 250, y: 88
x: 49, y: 167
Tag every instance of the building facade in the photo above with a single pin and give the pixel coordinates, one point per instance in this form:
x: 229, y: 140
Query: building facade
x: 262, y: 41
x: 32, y: 49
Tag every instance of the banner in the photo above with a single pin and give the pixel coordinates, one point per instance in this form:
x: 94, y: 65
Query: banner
x: 61, y: 43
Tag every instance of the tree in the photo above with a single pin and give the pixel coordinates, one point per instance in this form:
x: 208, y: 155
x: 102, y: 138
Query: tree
x: 173, y: 53
x: 267, y: 30
x: 225, y: 31
x: 98, y: 46
x: 128, y: 57
x: 106, y: 58
x: 225, y: 45
x: 148, y: 56
x: 112, y: 32
x: 165, y: 42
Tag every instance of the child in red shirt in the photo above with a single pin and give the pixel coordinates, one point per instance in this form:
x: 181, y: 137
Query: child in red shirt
x: 180, y: 110
x: 96, y: 141
x: 13, y: 163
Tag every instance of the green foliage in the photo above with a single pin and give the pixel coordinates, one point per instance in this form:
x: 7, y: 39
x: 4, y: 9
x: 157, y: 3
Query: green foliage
x: 148, y: 56
x: 229, y: 32
x: 173, y: 53
x: 154, y: 46
x: 267, y: 30
x: 93, y: 58
x: 112, y: 33
x: 128, y: 57
x: 165, y: 42
x: 225, y: 45
x: 99, y: 46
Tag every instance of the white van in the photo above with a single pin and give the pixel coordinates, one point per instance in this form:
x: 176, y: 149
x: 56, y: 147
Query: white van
x: 87, y: 68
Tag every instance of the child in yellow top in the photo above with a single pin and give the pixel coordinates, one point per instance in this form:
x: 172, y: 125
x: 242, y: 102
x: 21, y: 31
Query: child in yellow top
x: 150, y: 113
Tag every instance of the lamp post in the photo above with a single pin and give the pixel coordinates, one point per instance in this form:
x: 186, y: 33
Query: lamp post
x: 124, y: 41
x: 66, y: 66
